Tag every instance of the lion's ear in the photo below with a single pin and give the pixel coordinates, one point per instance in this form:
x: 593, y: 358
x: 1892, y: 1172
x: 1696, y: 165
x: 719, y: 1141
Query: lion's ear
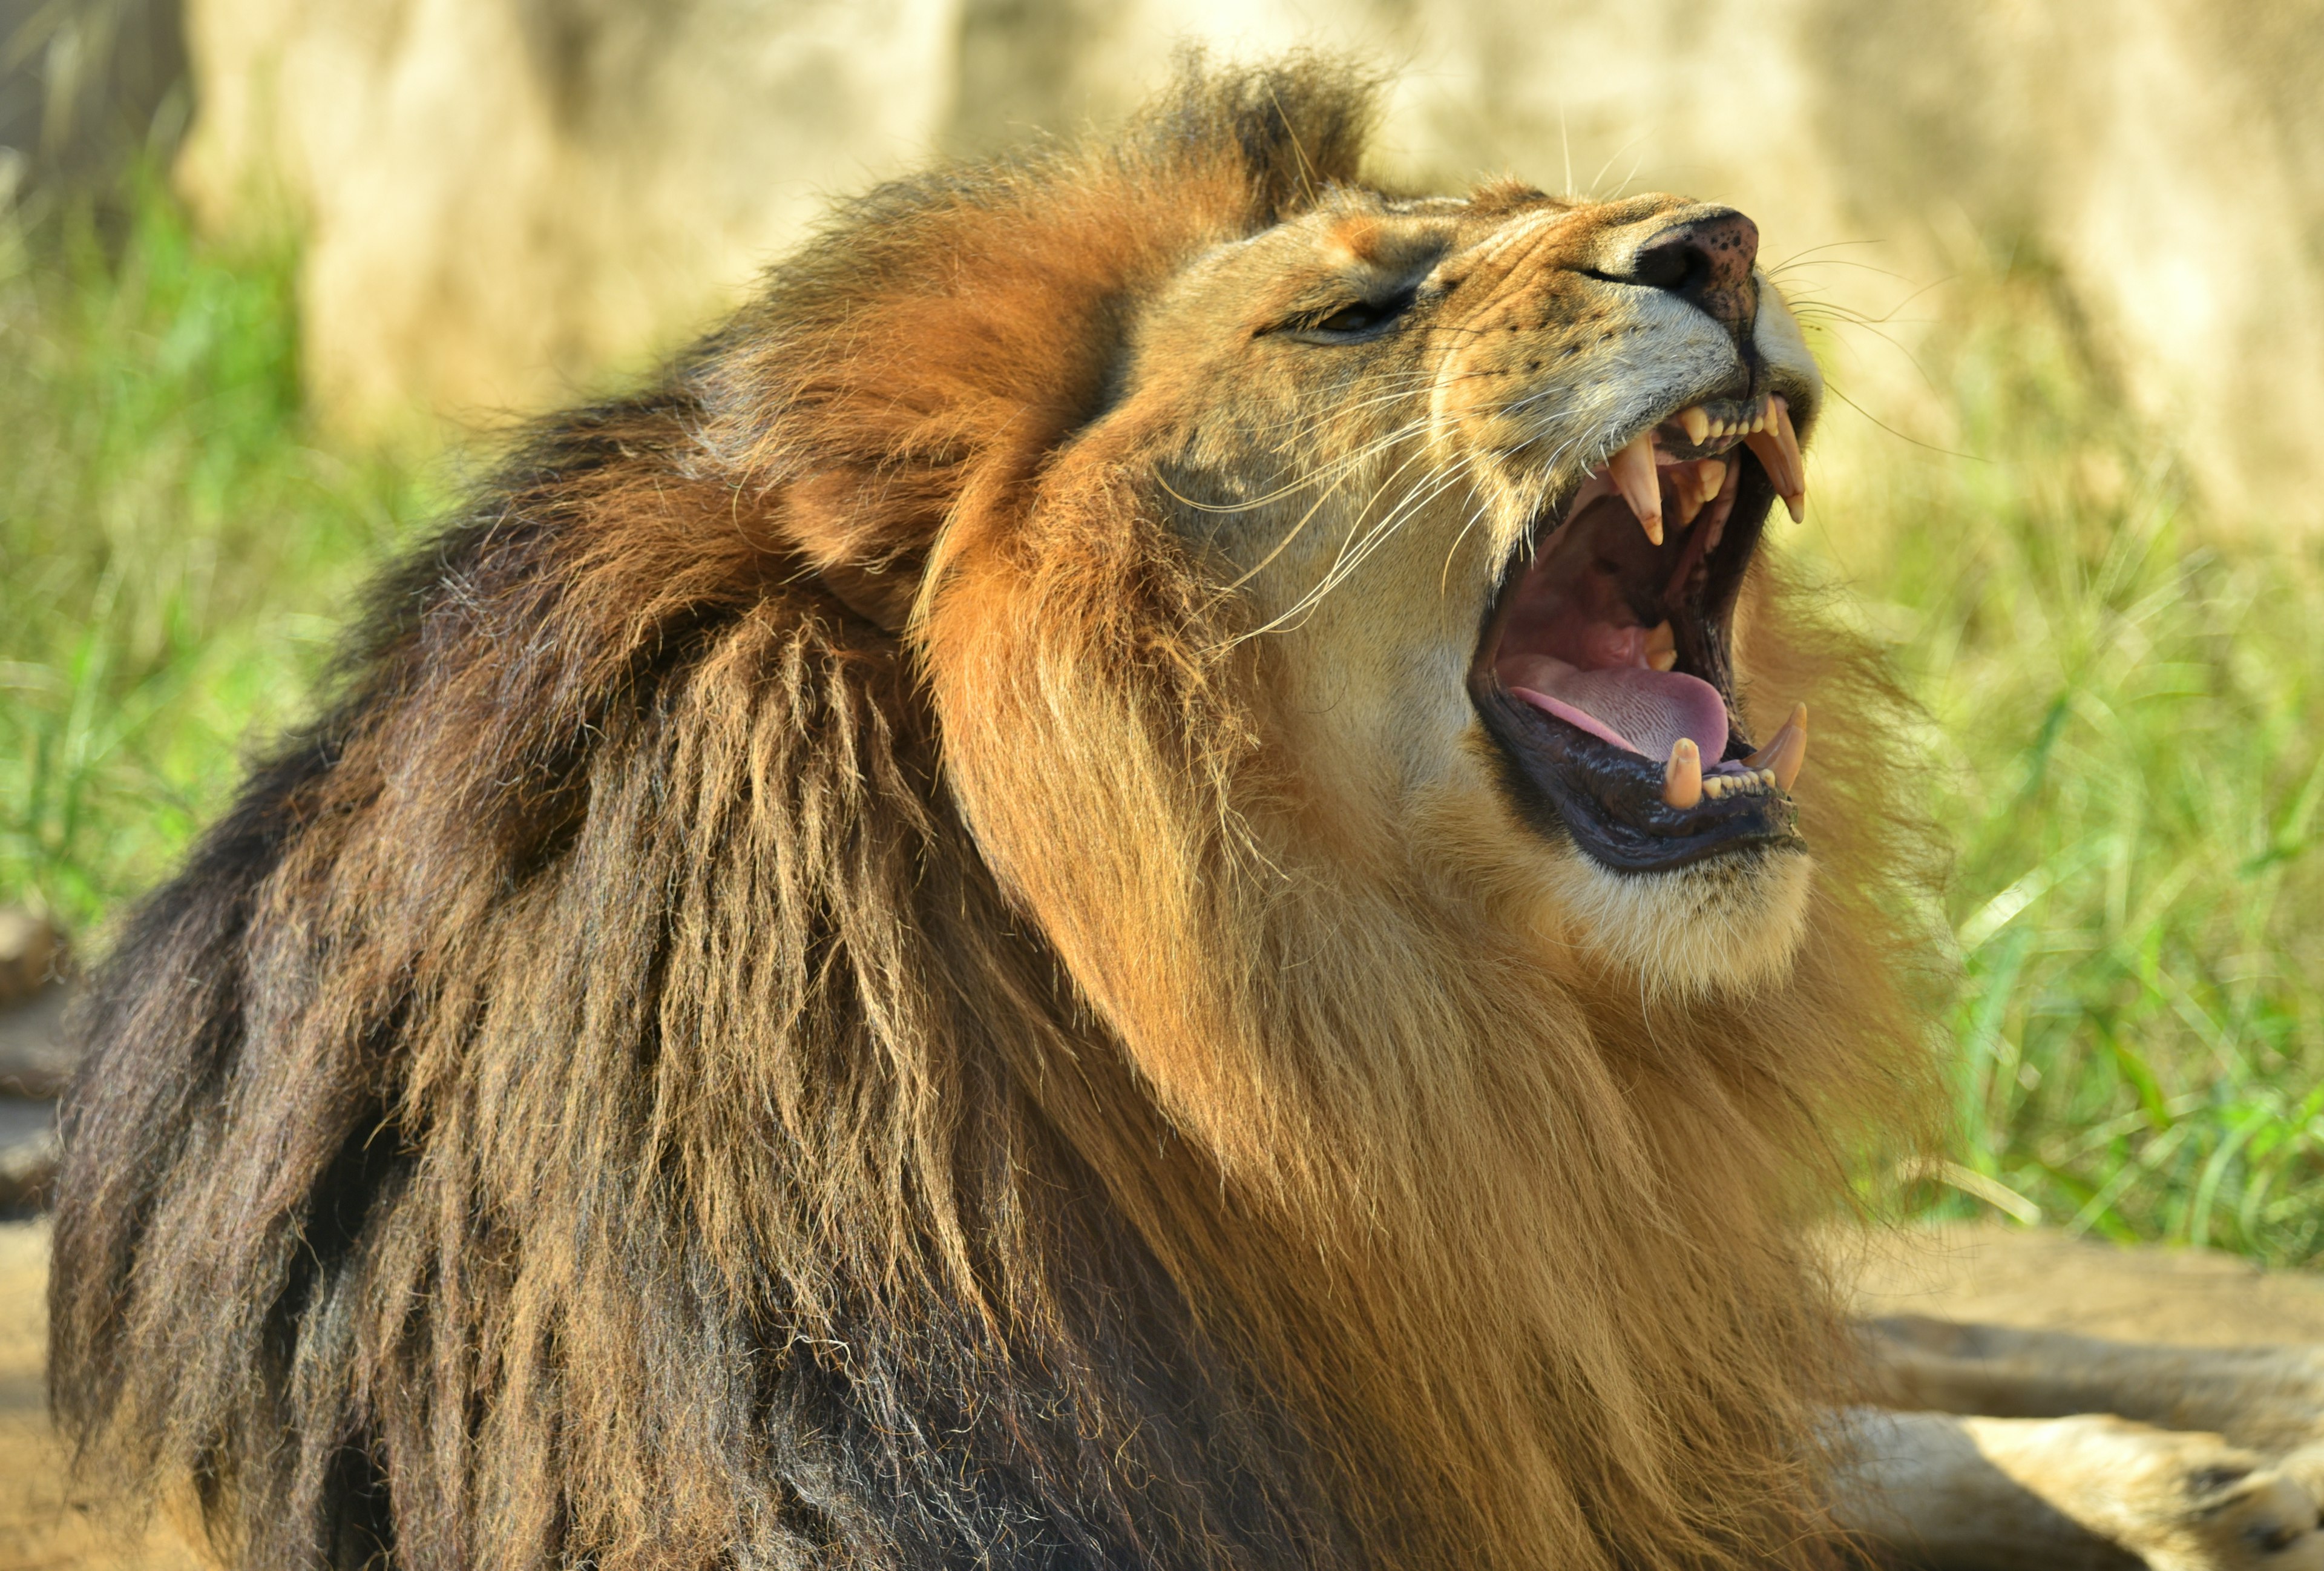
x: 868, y: 549
x: 1298, y: 125
x: 926, y: 357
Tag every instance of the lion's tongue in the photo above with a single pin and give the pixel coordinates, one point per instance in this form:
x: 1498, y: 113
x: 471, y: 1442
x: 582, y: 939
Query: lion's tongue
x: 1633, y: 706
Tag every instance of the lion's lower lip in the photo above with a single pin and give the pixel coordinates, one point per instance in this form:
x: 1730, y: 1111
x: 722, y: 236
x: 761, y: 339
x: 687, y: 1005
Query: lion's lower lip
x: 1608, y: 801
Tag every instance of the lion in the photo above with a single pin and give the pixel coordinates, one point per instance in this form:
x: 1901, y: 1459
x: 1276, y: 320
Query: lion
x: 1129, y: 880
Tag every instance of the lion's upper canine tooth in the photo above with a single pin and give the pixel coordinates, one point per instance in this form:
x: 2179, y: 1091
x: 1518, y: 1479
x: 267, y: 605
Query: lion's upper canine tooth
x: 1683, y: 775
x: 1785, y: 751
x: 1779, y: 452
x: 1696, y: 424
x: 1633, y: 469
x: 1796, y: 499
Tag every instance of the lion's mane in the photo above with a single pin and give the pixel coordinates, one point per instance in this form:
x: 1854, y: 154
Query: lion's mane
x: 775, y: 1019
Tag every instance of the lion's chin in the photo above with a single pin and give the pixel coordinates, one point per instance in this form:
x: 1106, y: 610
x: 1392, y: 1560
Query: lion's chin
x: 1728, y: 925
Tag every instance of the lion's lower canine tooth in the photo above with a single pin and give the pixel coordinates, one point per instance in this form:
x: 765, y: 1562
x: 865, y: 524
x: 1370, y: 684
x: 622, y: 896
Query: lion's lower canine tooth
x: 1683, y: 775
x: 1696, y: 424
x: 1687, y: 501
x: 1785, y: 751
x: 1633, y: 469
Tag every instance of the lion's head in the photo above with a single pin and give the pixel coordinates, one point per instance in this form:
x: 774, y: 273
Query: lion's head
x: 1478, y: 480
x: 1125, y: 883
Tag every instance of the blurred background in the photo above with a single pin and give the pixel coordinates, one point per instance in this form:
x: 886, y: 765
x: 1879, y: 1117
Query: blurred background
x: 272, y: 272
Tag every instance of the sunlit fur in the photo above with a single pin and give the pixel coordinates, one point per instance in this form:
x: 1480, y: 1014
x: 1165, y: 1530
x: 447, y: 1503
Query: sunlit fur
x: 1721, y: 928
x: 821, y: 995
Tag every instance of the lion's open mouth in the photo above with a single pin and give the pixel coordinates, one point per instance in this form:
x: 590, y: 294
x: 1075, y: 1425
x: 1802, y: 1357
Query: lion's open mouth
x: 1604, y: 672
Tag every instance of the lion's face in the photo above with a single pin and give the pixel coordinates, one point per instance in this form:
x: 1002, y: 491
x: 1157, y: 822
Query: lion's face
x: 1488, y: 476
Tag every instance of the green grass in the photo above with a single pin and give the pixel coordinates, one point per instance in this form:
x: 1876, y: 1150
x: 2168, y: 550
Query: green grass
x: 174, y: 551
x: 2126, y: 699
x: 2120, y: 693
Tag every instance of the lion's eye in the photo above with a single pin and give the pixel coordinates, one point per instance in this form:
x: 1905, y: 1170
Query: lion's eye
x: 1356, y: 319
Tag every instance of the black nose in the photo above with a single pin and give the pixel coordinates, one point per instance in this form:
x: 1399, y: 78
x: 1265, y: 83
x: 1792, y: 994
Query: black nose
x: 1707, y: 260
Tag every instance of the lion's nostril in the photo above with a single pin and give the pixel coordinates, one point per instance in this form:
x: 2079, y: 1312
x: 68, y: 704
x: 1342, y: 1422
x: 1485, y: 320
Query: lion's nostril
x: 1672, y: 267
x: 1716, y: 251
x: 1706, y: 260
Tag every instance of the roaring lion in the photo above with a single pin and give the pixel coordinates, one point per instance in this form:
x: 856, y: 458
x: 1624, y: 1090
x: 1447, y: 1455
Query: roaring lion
x: 1129, y: 881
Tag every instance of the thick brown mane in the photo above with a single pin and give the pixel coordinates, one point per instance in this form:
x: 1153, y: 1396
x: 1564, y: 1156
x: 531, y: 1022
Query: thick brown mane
x: 784, y: 1016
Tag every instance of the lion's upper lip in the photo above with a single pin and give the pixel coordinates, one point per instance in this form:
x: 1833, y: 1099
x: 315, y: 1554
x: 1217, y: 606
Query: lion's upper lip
x: 1603, y: 668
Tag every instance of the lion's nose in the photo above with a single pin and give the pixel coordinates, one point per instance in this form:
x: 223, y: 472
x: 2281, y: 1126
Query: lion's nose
x: 1705, y: 258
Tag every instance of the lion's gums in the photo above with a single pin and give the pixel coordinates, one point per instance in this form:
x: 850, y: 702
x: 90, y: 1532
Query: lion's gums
x: 617, y: 1089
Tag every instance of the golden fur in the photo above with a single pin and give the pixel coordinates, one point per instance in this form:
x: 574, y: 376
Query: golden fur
x: 863, y: 975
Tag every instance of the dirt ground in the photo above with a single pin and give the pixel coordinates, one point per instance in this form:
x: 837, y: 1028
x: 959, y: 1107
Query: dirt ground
x: 2004, y: 1275
x: 43, y: 1525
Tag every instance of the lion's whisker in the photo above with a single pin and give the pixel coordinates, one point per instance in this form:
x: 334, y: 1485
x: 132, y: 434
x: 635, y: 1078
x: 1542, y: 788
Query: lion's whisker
x: 1353, y: 555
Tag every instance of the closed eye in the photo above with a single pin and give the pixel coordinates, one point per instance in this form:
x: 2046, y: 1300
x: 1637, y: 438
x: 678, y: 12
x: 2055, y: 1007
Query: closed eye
x: 1356, y: 319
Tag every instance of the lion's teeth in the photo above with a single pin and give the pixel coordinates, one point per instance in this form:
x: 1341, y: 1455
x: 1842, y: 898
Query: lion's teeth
x: 1682, y: 782
x: 1749, y: 782
x: 1779, y: 452
x: 1712, y: 473
x: 1687, y: 493
x: 1662, y: 647
x: 1696, y: 424
x: 1785, y: 751
x: 1795, y: 500
x: 1633, y: 469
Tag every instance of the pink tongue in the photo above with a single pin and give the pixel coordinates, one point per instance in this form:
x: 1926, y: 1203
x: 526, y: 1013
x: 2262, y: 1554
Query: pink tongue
x: 1631, y: 706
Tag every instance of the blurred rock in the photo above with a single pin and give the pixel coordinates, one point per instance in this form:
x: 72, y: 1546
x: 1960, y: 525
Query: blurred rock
x: 34, y: 1065
x: 505, y: 198
x: 28, y: 1153
x: 31, y: 954
x: 34, y: 1059
x: 86, y: 85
